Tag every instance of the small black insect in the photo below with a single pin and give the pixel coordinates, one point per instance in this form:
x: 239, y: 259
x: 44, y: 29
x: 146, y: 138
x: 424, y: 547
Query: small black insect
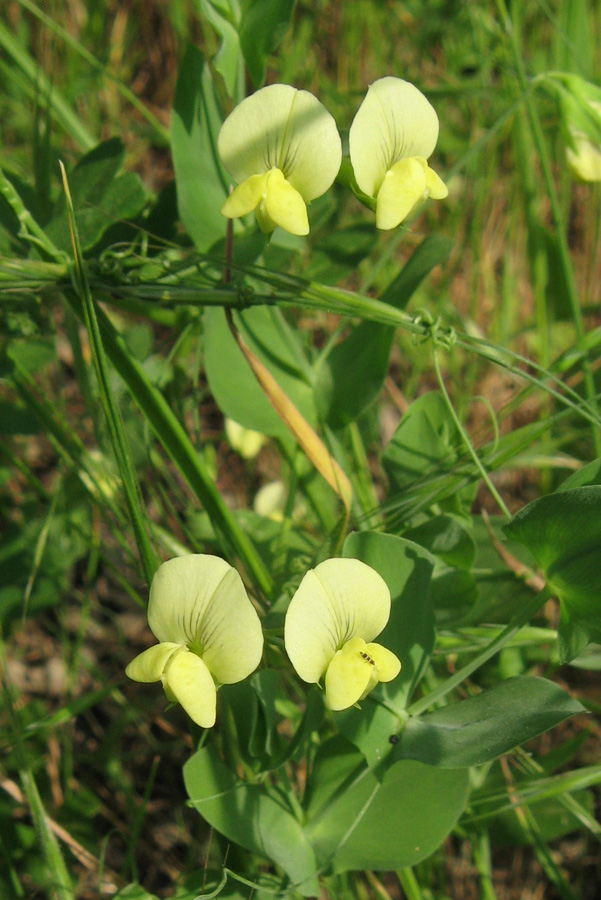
x: 367, y: 657
x: 393, y: 739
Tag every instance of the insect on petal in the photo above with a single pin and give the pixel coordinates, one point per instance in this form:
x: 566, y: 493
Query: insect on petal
x: 351, y: 675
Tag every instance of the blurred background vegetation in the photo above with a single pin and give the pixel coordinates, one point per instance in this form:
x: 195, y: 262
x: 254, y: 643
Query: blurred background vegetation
x: 91, y: 769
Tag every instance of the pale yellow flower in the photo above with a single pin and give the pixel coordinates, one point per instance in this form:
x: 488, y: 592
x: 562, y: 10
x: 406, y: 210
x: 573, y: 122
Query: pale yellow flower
x: 283, y: 147
x: 390, y: 141
x: 339, y: 608
x: 208, y: 632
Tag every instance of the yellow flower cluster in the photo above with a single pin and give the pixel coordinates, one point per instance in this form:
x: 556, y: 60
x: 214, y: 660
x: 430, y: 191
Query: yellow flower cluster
x: 283, y: 148
x: 210, y: 634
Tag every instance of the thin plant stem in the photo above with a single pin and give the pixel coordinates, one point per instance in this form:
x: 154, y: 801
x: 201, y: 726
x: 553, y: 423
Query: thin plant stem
x: 466, y: 439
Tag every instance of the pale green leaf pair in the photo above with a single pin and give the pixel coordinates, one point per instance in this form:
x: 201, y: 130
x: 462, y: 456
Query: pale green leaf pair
x: 208, y: 633
x: 283, y: 148
x: 339, y: 607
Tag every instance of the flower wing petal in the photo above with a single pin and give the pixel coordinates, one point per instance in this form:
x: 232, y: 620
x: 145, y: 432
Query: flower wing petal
x: 394, y: 121
x: 338, y: 600
x: 231, y: 636
x: 190, y: 682
x: 246, y: 197
x: 403, y: 188
x: 251, y: 138
x: 285, y: 206
x: 148, y: 666
x: 437, y: 189
x: 387, y: 664
x: 180, y: 592
x: 350, y: 676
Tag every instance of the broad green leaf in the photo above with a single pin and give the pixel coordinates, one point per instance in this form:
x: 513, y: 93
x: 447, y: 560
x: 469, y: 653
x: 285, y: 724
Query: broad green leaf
x: 351, y: 376
x: 356, y: 822
x: 424, y: 447
x: 202, y: 184
x: 264, y: 24
x: 562, y: 531
x: 474, y: 731
x: 101, y: 196
x: 228, y: 59
x: 134, y: 892
x: 247, y: 815
x: 445, y: 537
x: 231, y: 379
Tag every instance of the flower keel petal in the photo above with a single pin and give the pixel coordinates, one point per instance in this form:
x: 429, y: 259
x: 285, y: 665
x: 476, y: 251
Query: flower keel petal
x: 285, y: 206
x: 404, y: 188
x: 436, y: 187
x: 189, y: 681
x: 351, y: 675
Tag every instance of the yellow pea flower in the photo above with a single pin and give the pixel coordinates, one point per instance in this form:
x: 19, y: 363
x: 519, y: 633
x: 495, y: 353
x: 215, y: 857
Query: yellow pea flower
x: 580, y: 107
x: 391, y: 138
x: 208, y: 632
x: 283, y: 147
x: 243, y: 440
x: 339, y: 607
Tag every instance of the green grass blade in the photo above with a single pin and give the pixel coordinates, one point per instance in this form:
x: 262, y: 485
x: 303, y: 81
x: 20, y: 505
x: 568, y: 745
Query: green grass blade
x: 94, y: 63
x: 137, y: 511
x: 179, y: 447
x: 29, y: 228
x: 59, y: 886
x: 59, y: 108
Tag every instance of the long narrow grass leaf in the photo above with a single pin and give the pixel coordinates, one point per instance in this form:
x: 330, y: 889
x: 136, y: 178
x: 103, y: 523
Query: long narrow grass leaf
x: 59, y: 108
x: 179, y: 447
x: 131, y: 487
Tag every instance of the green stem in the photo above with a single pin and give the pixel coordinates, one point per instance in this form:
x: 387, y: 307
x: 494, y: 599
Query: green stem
x: 410, y: 884
x: 466, y: 439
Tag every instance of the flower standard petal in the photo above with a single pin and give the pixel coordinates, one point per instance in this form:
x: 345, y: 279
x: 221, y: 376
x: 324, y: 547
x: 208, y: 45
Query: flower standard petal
x: 281, y: 127
x: 180, y: 592
x: 395, y: 121
x: 338, y: 600
x: 148, y: 666
x: 313, y: 149
x: 230, y: 633
x: 188, y: 680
